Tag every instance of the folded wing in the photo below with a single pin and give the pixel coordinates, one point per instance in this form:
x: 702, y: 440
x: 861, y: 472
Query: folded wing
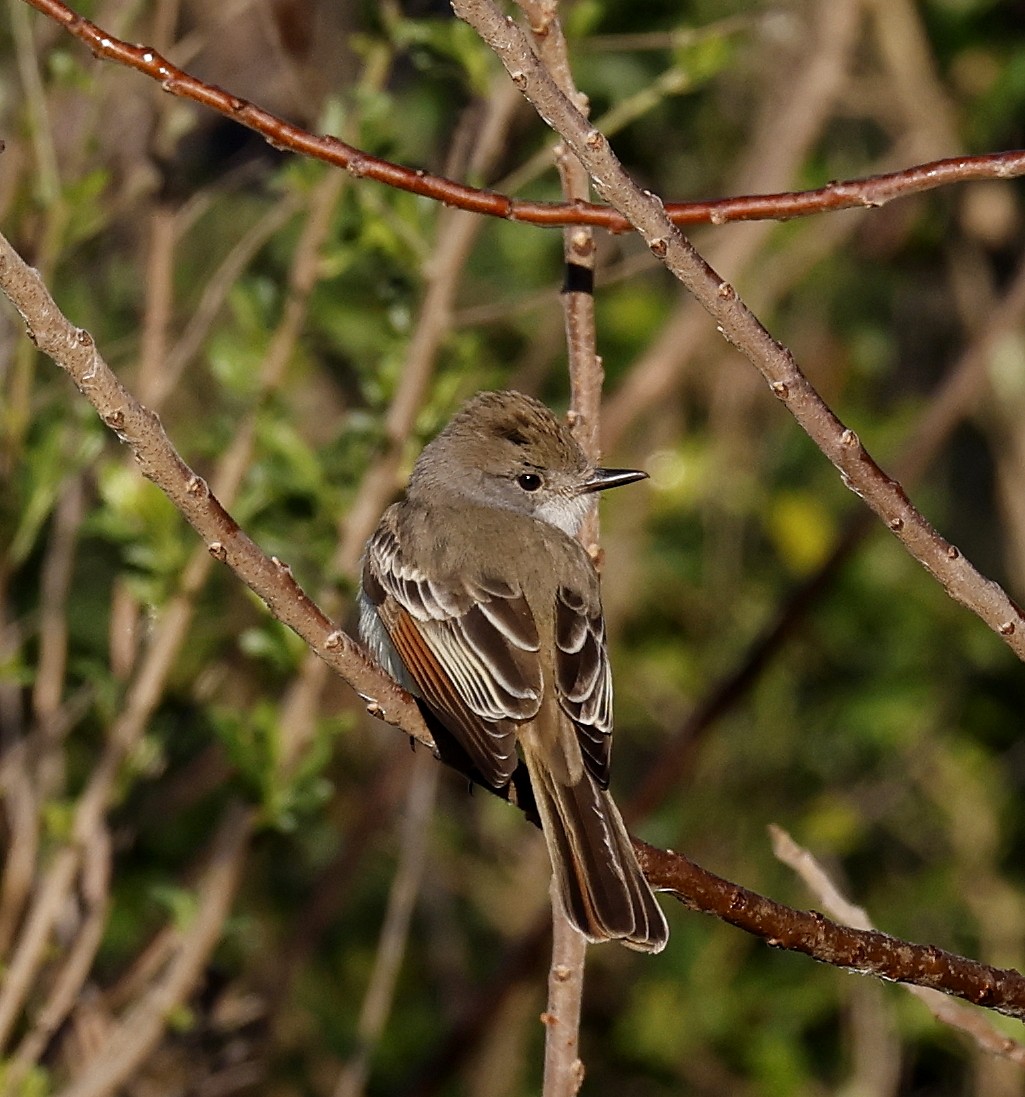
x: 471, y: 646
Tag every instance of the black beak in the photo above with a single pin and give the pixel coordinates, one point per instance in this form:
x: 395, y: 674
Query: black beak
x: 600, y: 479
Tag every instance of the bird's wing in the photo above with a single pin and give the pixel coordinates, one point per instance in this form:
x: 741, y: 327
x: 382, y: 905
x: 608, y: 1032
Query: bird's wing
x: 471, y: 647
x: 583, y: 675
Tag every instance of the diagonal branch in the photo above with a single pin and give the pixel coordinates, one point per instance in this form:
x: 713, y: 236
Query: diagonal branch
x: 740, y: 327
x: 975, y: 1025
x: 864, y: 951
x: 269, y: 578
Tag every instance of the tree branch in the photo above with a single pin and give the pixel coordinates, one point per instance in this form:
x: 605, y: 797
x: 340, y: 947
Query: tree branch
x: 871, y: 192
x: 866, y: 952
x: 742, y: 329
x: 269, y: 578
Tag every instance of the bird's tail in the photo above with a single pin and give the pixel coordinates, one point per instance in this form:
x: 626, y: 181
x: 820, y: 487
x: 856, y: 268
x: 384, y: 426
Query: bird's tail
x: 604, y: 892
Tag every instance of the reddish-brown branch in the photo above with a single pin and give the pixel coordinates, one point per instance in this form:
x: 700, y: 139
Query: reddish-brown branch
x: 873, y: 191
x: 866, y: 952
x: 975, y: 1025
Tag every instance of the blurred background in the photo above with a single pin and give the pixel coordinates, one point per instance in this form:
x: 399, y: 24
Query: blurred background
x: 219, y: 875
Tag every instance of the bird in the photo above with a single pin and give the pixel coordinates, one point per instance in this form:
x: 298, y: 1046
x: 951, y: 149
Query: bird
x: 478, y: 599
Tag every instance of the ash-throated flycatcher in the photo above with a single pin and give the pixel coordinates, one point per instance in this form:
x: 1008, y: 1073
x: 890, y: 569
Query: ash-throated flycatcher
x: 478, y: 599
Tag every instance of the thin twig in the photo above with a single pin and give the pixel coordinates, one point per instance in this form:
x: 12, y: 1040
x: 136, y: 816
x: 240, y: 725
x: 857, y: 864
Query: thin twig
x: 35, y: 933
x: 866, y: 952
x: 159, y: 303
x: 563, y: 1068
x: 872, y: 192
x: 826, y: 893
x: 379, y: 800
x: 216, y: 291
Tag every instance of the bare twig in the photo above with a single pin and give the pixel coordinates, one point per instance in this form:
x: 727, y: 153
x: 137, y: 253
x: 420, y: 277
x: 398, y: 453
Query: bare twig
x: 53, y: 636
x: 872, y: 192
x: 867, y: 952
x: 379, y: 800
x: 159, y: 305
x: 563, y: 1069
x: 825, y: 891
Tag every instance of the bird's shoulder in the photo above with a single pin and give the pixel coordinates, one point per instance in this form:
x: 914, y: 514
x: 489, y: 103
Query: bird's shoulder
x: 480, y: 545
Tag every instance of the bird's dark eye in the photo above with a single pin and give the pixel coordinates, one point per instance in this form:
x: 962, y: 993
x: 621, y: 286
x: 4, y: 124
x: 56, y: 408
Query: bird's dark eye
x: 529, y: 481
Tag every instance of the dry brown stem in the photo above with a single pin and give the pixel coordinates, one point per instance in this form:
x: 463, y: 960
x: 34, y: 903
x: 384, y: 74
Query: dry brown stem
x: 563, y: 1068
x: 866, y: 952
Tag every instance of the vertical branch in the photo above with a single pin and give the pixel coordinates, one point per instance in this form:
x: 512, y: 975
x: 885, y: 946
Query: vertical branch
x: 564, y: 1069
x: 563, y: 1072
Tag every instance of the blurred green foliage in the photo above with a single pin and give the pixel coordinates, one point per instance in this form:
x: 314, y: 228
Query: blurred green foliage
x: 884, y: 732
